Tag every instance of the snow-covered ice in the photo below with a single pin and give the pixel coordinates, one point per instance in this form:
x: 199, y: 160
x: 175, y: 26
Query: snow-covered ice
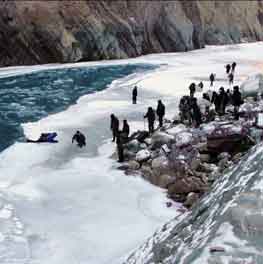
x: 73, y: 206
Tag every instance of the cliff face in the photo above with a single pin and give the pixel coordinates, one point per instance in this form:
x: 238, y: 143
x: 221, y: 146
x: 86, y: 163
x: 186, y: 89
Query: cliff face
x: 35, y: 32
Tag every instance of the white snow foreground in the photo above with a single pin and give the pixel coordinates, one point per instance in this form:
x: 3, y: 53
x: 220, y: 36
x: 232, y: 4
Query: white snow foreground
x: 73, y: 206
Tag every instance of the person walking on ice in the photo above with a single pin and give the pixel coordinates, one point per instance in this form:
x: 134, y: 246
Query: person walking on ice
x: 150, y: 115
x: 160, y: 112
x: 134, y: 95
x: 114, y: 126
x: 212, y: 79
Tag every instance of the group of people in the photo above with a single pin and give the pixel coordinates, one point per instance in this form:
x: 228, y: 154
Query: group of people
x: 191, y: 112
x: 188, y: 107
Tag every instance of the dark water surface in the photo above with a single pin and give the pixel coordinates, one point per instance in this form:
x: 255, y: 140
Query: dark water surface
x: 30, y: 97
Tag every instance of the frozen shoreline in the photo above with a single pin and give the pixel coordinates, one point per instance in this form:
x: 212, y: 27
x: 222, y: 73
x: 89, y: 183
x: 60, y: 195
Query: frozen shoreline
x: 66, y: 186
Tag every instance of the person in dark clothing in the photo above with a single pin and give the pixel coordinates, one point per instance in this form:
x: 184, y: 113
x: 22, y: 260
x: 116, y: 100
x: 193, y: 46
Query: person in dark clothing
x: 150, y: 115
x: 206, y: 96
x: 216, y: 101
x: 222, y: 101
x: 80, y: 139
x: 201, y: 86
x: 114, y: 126
x: 229, y: 96
x: 184, y: 108
x: 231, y: 78
x: 119, y: 143
x: 212, y: 79
x: 237, y: 101
x: 125, y: 129
x: 228, y: 67
x: 192, y: 89
x: 160, y: 112
x: 134, y: 95
x: 196, y: 113
x: 233, y: 67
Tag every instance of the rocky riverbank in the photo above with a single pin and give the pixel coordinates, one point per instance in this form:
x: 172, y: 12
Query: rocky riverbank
x: 186, y: 160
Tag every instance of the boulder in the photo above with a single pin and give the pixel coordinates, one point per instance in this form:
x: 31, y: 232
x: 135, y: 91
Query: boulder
x: 195, y: 164
x: 143, y: 155
x: 133, y: 145
x: 148, y: 141
x: 147, y: 173
x: 129, y: 155
x: 164, y: 180
x: 184, y: 138
x: 186, y: 185
x: 177, y: 129
x: 160, y: 165
x: 224, y: 155
x: 205, y: 157
x: 133, y: 165
x: 161, y: 138
x: 191, y: 199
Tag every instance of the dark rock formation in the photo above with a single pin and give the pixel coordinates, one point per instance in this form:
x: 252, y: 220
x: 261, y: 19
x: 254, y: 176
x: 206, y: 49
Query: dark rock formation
x: 34, y: 32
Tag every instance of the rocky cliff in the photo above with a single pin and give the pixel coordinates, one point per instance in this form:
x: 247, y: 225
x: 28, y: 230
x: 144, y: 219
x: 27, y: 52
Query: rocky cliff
x: 34, y: 32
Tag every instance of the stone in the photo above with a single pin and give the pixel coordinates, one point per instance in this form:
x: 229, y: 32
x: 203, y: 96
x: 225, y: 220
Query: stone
x: 133, y: 165
x: 195, y: 164
x: 129, y: 155
x: 133, y: 145
x: 224, y: 155
x: 164, y: 180
x: 191, y: 199
x: 161, y: 138
x: 205, y: 157
x: 177, y: 129
x: 143, y: 155
x: 147, y: 173
x: 184, y: 138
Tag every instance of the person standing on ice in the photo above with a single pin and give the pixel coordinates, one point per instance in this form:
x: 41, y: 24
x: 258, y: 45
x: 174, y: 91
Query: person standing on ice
x: 125, y: 129
x: 134, y: 95
x: 192, y: 89
x: 212, y: 79
x: 233, y: 67
x: 114, y: 126
x: 160, y: 112
x: 150, y: 115
x: 201, y: 86
x: 196, y: 113
x: 237, y: 101
x: 119, y: 143
x: 80, y: 139
x: 231, y: 78
x: 223, y: 100
x: 228, y: 67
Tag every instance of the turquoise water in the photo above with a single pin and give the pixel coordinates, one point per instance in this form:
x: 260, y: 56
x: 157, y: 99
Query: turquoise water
x: 30, y: 97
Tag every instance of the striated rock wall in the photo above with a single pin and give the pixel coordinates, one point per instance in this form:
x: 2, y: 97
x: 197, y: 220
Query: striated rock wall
x: 34, y: 32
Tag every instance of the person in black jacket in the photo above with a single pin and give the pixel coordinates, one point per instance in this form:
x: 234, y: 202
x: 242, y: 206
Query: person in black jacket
x: 125, y: 129
x: 119, y: 143
x: 228, y: 67
x: 223, y: 100
x: 237, y: 101
x: 231, y: 78
x: 160, y: 112
x: 80, y: 139
x: 233, y: 67
x: 150, y: 115
x: 114, y: 126
x: 216, y: 101
x: 134, y: 95
x: 192, y: 89
x: 212, y: 79
x: 197, y: 116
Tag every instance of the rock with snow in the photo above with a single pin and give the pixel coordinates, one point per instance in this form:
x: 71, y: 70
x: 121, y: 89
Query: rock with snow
x: 184, y: 138
x: 191, y: 199
x: 161, y: 138
x: 143, y: 155
x: 133, y: 145
x: 177, y: 129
